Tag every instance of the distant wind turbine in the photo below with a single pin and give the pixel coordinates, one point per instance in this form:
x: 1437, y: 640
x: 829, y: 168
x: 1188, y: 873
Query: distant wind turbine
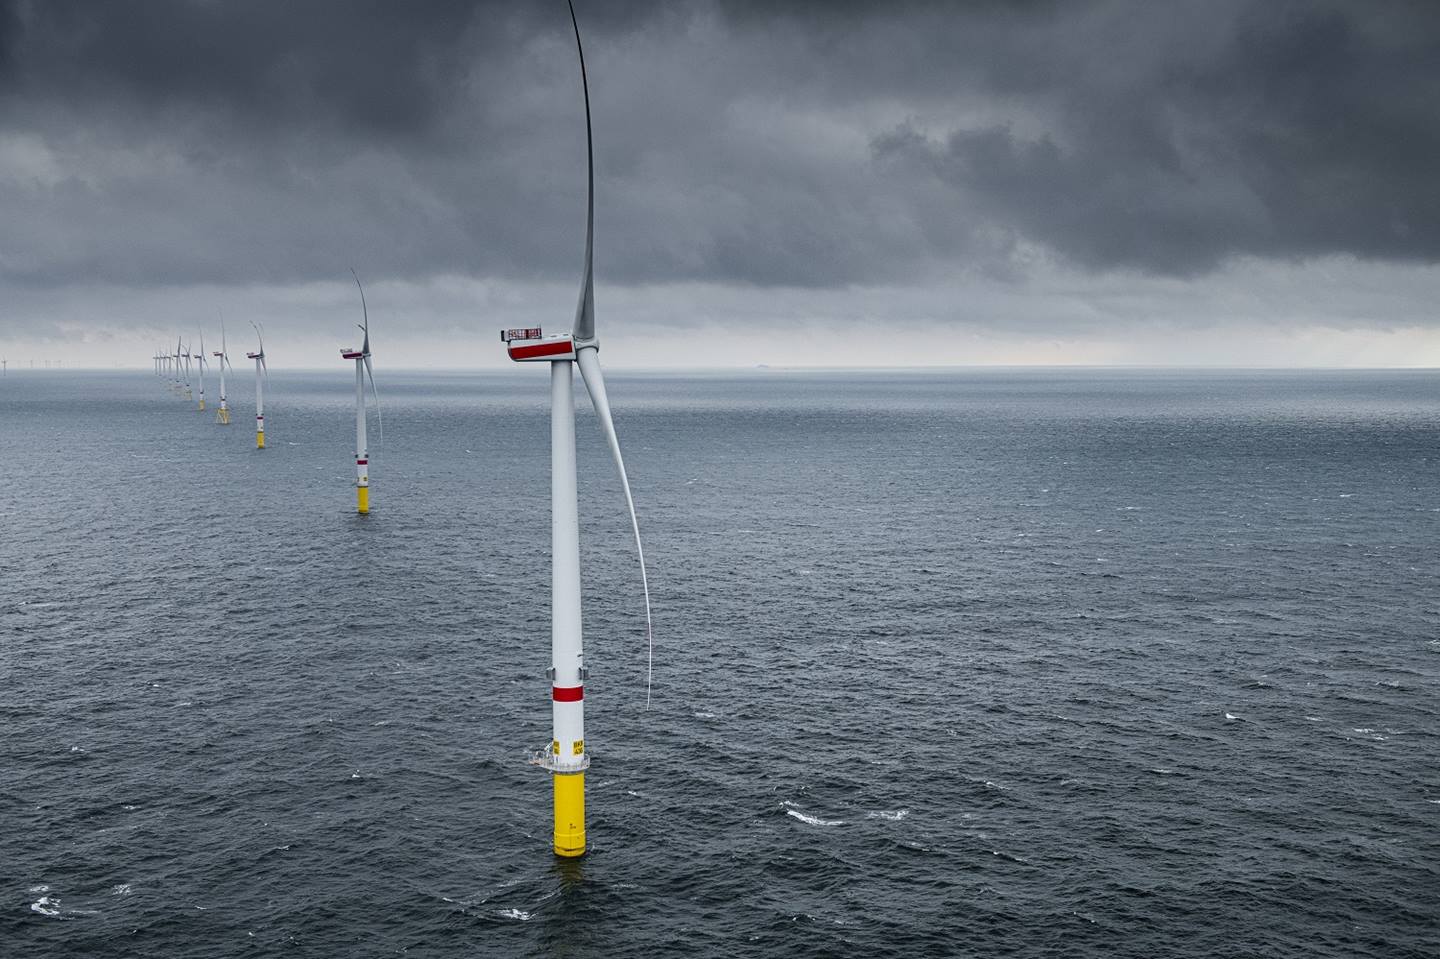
x: 362, y: 368
x: 221, y: 358
x: 200, y: 365
x: 566, y: 756
x: 261, y: 371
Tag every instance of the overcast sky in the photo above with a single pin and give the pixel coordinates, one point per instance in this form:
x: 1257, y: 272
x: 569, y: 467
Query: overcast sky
x: 836, y: 183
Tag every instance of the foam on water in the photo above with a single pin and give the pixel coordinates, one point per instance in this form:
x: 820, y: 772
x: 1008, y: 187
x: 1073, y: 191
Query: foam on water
x: 893, y: 815
x: 517, y: 914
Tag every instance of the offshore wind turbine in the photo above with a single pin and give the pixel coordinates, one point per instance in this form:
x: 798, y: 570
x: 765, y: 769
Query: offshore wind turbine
x: 566, y: 756
x: 362, y: 367
x: 183, y: 356
x: 200, y: 364
x: 261, y: 371
x: 223, y: 416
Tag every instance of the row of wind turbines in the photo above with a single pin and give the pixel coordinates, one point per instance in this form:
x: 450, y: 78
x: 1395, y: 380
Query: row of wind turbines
x: 175, y: 368
x: 566, y: 757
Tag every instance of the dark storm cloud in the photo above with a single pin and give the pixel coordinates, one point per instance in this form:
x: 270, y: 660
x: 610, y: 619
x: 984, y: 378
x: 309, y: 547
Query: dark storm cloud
x: 164, y: 143
x: 1277, y: 129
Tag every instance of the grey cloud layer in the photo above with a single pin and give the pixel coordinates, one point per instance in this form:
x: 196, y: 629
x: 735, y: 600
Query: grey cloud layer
x: 167, y: 143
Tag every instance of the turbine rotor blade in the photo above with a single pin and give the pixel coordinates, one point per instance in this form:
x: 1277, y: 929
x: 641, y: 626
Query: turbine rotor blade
x: 585, y: 310
x: 589, y: 362
x: 379, y: 420
x: 365, y: 311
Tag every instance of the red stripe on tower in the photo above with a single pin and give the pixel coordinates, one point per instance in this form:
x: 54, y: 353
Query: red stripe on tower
x: 567, y: 694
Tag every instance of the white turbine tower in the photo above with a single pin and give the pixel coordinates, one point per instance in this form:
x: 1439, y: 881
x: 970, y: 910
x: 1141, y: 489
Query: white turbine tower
x: 566, y: 756
x: 261, y: 371
x: 223, y: 416
x: 200, y: 365
x: 362, y: 368
x: 185, y: 355
x: 179, y: 386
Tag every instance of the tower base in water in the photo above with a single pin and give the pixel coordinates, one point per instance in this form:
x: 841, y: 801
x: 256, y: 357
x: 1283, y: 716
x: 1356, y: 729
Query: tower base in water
x: 223, y: 417
x: 569, y: 786
x: 569, y: 814
x: 202, y: 406
x: 362, y: 499
x: 259, y: 441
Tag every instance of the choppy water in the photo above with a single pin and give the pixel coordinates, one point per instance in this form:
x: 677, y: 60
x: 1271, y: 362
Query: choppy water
x: 1046, y: 663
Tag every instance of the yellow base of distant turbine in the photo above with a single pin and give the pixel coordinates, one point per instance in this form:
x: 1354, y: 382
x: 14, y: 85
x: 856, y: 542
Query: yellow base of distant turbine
x: 202, y: 406
x: 569, y: 814
x: 362, y: 499
x: 223, y: 418
x: 259, y: 441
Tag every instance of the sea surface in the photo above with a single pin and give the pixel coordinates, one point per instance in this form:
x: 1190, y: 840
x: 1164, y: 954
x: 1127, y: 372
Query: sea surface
x: 1054, y: 662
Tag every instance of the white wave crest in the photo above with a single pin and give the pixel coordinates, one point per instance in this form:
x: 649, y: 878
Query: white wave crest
x: 813, y: 820
x: 46, y: 905
x: 892, y: 815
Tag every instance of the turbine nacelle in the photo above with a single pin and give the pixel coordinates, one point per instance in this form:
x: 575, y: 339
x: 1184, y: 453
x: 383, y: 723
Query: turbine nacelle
x: 530, y: 346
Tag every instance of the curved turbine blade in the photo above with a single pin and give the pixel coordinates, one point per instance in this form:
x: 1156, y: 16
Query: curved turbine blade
x: 585, y: 309
x: 365, y: 311
x: 260, y: 334
x: 379, y: 420
x: 589, y: 362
